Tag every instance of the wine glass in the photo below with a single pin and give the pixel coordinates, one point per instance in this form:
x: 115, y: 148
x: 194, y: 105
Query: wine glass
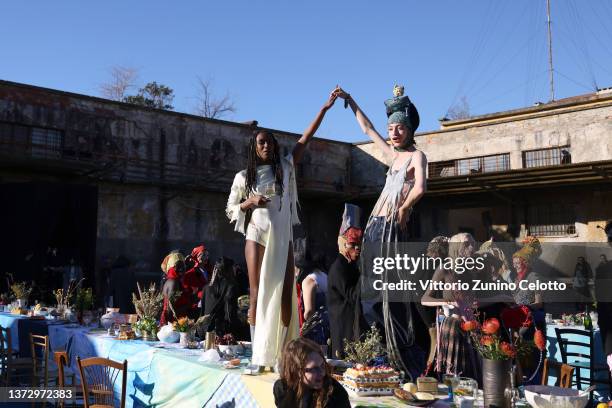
x: 269, y: 190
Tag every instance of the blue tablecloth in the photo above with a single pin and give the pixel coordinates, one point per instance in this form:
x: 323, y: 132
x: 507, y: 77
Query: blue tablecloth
x: 159, y: 375
x: 21, y: 326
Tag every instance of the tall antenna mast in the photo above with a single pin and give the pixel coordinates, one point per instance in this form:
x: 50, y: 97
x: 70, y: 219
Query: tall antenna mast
x: 550, y: 57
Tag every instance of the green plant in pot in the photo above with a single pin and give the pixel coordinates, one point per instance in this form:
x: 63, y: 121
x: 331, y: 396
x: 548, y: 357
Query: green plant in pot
x: 84, y: 304
x: 148, y: 305
x: 147, y: 327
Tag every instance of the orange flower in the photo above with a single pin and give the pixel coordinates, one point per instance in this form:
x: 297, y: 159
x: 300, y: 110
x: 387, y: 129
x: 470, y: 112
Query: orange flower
x: 490, y: 326
x: 508, y: 349
x: 487, y: 340
x: 469, y: 325
x: 539, y: 340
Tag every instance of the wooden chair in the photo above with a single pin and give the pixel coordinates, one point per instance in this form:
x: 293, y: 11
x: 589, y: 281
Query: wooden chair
x: 61, y: 361
x: 13, y: 367
x: 42, y: 372
x: 564, y: 373
x: 581, y: 357
x: 98, y: 378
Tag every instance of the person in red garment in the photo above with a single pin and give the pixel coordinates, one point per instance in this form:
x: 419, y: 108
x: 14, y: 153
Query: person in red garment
x: 197, y: 276
x: 173, y: 289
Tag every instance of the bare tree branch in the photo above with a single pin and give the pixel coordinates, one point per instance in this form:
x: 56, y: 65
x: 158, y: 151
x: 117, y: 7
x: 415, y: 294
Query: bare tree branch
x: 210, y: 107
x: 461, y: 110
x: 121, y: 80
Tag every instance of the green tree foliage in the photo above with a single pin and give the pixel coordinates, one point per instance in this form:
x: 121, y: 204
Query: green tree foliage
x: 153, y: 95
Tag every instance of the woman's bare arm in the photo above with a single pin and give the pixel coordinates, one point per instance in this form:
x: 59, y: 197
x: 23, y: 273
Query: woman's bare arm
x: 428, y: 299
x: 309, y: 293
x: 366, y: 126
x: 300, y: 146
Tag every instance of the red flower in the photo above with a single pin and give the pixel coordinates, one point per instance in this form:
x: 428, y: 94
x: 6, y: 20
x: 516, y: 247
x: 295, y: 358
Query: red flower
x: 490, y: 326
x: 539, y: 340
x: 487, y: 340
x: 469, y: 325
x: 517, y: 317
x: 508, y: 349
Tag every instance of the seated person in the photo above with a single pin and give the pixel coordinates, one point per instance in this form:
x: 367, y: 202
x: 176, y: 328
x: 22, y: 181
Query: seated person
x: 305, y: 379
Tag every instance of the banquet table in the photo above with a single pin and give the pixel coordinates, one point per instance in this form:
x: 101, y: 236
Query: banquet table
x: 159, y: 374
x: 21, y: 326
x: 165, y: 375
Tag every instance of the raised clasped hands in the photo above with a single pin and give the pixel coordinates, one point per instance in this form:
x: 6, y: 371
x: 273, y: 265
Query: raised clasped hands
x: 339, y: 93
x: 330, y: 102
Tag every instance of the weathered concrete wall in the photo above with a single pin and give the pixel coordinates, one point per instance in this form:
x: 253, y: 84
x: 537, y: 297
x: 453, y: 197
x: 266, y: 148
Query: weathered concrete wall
x: 588, y: 133
x: 144, y: 209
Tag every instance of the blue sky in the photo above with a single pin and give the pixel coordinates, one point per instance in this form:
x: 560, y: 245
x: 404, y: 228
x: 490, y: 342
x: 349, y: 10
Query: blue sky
x: 280, y: 59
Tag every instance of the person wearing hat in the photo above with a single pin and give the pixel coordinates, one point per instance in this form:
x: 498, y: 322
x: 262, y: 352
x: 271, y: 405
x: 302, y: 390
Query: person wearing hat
x: 196, y: 277
x: 388, y: 225
x: 523, y: 261
x: 343, y: 284
x: 174, y: 267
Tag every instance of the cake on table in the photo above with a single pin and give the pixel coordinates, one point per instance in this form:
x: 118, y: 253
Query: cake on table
x: 365, y: 380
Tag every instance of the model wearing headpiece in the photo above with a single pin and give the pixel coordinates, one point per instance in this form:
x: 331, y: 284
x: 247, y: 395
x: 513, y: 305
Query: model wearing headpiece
x: 343, y: 283
x: 523, y: 261
x: 404, y: 187
x: 174, y: 268
x: 197, y: 275
x: 263, y: 205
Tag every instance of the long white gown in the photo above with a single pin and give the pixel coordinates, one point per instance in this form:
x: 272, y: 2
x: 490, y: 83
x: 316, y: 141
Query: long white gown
x: 279, y: 219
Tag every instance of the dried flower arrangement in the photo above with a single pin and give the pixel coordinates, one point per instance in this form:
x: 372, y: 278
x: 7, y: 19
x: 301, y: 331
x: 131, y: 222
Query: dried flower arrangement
x: 363, y: 351
x: 21, y: 290
x: 148, y: 304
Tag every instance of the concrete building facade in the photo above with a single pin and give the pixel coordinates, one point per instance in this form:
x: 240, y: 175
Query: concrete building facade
x: 122, y: 179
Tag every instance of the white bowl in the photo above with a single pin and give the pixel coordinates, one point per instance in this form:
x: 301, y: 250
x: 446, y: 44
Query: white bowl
x: 545, y: 396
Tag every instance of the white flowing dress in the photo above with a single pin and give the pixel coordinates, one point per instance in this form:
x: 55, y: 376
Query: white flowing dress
x: 278, y: 218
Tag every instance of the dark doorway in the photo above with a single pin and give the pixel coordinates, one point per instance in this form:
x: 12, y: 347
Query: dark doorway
x: 45, y: 225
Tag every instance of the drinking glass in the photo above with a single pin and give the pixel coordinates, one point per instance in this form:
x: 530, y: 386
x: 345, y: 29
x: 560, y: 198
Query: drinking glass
x: 466, y: 387
x: 450, y: 380
x: 269, y: 190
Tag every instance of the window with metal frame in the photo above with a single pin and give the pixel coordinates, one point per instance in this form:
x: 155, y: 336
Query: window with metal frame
x: 551, y: 219
x: 553, y: 156
x: 46, y: 143
x: 472, y: 165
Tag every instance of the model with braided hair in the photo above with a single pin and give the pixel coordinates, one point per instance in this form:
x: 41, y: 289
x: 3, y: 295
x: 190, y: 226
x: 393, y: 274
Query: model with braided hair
x: 263, y: 204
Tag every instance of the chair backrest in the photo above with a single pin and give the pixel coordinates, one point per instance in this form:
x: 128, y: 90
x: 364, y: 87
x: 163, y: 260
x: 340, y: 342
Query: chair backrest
x: 582, y: 344
x: 61, y: 360
x: 564, y: 373
x: 40, y: 355
x: 6, y: 346
x: 98, y: 378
